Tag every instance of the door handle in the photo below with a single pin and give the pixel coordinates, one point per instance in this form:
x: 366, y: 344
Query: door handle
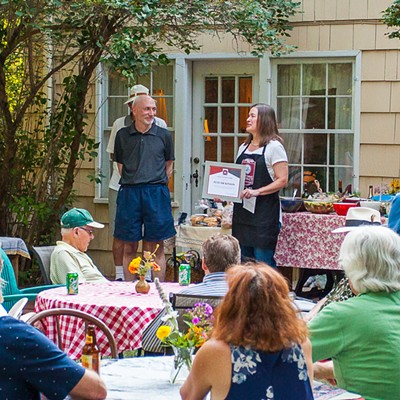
x: 196, y: 177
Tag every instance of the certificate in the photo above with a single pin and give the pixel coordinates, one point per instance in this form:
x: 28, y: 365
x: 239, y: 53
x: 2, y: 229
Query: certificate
x: 223, y: 180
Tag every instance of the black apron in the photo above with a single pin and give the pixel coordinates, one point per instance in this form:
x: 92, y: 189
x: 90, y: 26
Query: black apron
x: 260, y: 229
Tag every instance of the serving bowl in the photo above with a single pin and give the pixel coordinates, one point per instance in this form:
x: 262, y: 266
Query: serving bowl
x: 290, y: 204
x: 341, y: 208
x: 319, y: 206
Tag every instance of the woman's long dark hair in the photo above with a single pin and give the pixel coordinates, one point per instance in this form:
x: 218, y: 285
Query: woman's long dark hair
x: 266, y: 125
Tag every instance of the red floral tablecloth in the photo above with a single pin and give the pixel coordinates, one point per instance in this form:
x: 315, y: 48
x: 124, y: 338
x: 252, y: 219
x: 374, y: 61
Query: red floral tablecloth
x: 117, y: 304
x: 306, y: 241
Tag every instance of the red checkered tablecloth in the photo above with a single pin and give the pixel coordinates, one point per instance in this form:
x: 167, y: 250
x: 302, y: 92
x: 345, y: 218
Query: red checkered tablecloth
x: 117, y: 304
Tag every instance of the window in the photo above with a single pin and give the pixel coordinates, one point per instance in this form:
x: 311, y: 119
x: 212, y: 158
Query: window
x: 114, y: 92
x: 227, y: 101
x: 314, y: 103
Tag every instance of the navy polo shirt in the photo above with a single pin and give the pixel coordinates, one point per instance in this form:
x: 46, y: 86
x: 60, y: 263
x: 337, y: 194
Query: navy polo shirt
x: 31, y: 364
x: 143, y: 155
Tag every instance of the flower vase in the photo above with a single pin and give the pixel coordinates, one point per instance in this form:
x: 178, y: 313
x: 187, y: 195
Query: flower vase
x: 142, y: 286
x: 183, y: 358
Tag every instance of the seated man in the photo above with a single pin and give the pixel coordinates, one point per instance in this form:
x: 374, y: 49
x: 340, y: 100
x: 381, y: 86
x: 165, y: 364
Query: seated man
x: 219, y: 253
x: 69, y: 254
x: 31, y: 364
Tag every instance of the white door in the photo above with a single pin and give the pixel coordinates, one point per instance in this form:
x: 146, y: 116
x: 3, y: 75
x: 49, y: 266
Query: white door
x: 223, y: 92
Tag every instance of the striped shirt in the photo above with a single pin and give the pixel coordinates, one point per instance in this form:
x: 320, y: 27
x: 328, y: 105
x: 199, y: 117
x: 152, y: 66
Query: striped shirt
x: 214, y: 284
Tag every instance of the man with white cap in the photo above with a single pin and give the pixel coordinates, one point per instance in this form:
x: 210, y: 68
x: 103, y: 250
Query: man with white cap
x: 120, y: 248
x: 70, y: 252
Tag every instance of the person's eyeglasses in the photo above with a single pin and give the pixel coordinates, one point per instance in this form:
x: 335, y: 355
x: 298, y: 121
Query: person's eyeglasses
x: 89, y: 231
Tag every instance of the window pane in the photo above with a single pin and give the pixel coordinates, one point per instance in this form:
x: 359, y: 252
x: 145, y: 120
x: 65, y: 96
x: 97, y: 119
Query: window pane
x: 228, y: 119
x: 227, y: 149
x: 315, y: 148
x: 211, y: 90
x: 340, y: 77
x: 165, y: 109
x: 228, y: 90
x: 243, y: 114
x: 116, y: 109
x: 320, y: 174
x: 246, y: 89
x: 117, y: 85
x: 288, y: 80
x: 210, y: 148
x: 340, y: 174
x: 211, y: 116
x: 163, y: 79
x: 341, y: 150
x: 294, y: 182
x: 292, y: 144
x: 314, y: 81
x: 288, y: 113
x: 314, y: 113
x: 339, y: 113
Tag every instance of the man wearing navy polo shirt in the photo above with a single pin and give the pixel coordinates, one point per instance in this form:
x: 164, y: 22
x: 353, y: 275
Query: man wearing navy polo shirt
x: 145, y: 154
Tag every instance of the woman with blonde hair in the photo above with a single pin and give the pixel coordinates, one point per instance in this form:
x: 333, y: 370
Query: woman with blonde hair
x: 256, y: 347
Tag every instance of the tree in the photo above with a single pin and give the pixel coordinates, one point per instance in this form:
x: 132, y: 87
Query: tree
x: 391, y: 17
x: 43, y: 138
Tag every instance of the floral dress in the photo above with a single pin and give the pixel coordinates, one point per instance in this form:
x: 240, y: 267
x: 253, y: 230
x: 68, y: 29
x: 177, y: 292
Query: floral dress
x: 258, y: 375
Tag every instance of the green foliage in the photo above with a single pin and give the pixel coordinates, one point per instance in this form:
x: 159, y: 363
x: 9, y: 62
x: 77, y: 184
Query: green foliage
x: 49, y: 51
x: 391, y: 18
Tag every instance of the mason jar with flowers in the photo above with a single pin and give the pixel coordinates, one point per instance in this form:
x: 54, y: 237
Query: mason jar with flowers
x: 141, y: 266
x: 199, y: 320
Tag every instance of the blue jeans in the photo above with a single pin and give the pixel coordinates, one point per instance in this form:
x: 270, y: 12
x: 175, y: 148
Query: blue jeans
x: 255, y: 253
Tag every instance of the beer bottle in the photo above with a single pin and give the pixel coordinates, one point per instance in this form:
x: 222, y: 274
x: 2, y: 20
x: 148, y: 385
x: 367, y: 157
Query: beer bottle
x: 370, y: 191
x: 90, y: 352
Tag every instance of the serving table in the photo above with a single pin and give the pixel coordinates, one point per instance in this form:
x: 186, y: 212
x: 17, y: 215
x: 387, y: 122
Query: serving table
x: 148, y: 378
x: 117, y: 304
x: 305, y: 240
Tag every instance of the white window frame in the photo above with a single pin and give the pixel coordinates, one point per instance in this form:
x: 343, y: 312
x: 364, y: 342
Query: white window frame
x: 349, y: 56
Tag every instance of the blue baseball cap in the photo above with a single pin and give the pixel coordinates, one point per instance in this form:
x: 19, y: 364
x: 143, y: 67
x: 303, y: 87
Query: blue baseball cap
x: 77, y: 217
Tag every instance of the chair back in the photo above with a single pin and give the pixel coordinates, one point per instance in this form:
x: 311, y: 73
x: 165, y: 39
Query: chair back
x: 87, y: 318
x: 181, y: 302
x: 8, y: 275
x: 17, y: 309
x: 43, y: 256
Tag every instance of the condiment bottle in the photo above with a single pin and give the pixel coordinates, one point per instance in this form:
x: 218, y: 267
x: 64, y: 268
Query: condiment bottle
x: 90, y: 352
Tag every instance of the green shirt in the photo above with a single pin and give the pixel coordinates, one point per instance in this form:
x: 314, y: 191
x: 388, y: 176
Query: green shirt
x: 362, y: 336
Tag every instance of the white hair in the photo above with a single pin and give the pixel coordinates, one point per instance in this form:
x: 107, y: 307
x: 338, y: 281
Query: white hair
x: 370, y: 257
x: 65, y: 231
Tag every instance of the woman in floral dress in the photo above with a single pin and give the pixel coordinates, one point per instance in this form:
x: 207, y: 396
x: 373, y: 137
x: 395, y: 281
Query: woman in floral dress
x: 259, y: 348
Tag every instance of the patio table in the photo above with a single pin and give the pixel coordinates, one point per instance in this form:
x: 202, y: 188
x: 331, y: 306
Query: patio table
x: 14, y: 247
x: 148, y: 378
x: 117, y: 304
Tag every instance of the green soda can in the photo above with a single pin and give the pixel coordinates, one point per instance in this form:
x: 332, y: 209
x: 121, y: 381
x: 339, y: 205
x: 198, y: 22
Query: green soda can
x: 184, y: 274
x: 72, y: 283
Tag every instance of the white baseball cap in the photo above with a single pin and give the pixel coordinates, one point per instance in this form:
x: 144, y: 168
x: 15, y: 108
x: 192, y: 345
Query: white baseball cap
x: 137, y: 90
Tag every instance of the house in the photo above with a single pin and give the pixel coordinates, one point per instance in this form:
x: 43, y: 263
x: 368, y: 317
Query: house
x: 337, y: 99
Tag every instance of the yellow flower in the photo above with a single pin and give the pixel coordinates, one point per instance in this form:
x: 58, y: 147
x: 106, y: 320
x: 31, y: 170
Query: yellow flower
x: 134, y: 265
x: 163, y: 331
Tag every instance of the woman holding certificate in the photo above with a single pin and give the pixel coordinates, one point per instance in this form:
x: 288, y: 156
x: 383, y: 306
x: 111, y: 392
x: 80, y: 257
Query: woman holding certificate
x: 256, y: 222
